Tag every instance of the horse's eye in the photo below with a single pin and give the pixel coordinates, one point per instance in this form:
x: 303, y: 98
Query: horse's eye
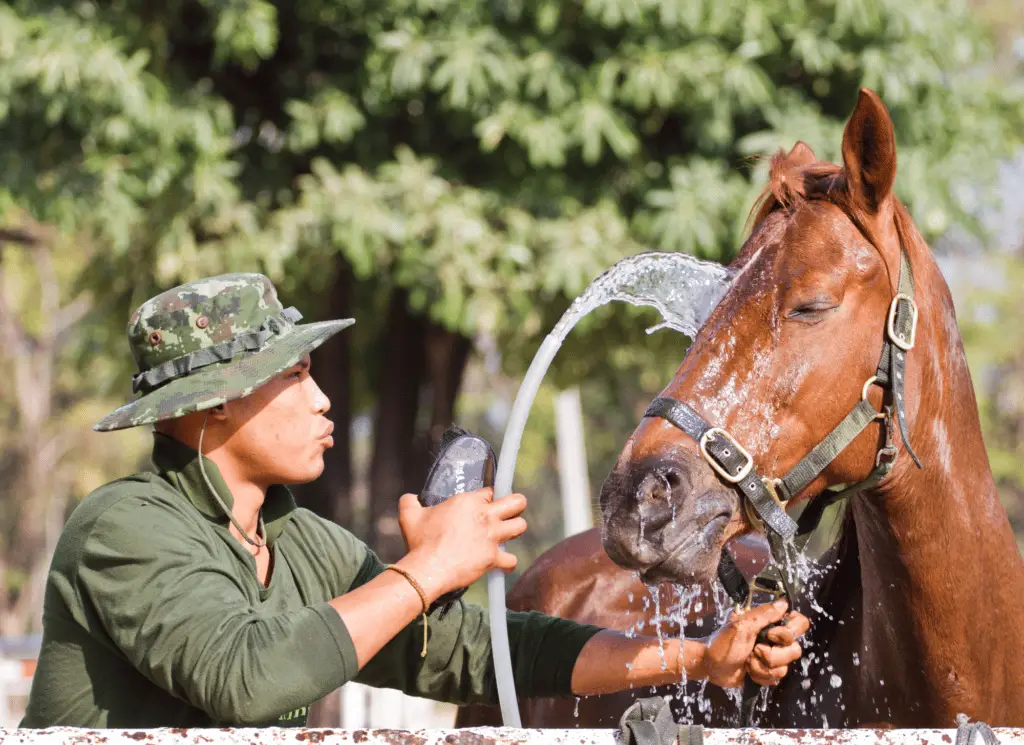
x: 813, y: 310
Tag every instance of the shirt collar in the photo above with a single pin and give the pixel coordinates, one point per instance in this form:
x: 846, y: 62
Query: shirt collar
x: 178, y: 464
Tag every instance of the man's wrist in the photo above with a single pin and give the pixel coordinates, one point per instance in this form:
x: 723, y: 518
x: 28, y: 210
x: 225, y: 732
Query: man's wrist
x: 692, y: 660
x: 429, y: 575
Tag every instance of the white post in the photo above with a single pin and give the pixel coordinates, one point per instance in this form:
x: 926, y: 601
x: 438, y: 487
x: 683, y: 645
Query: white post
x: 354, y: 706
x: 9, y: 673
x: 572, y: 462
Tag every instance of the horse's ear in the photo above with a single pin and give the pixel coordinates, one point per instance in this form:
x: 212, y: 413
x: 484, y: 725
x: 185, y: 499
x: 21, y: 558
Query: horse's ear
x: 869, y: 152
x: 801, y: 154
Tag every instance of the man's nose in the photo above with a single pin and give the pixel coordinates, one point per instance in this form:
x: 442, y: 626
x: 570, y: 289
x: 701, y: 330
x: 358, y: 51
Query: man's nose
x: 321, y: 402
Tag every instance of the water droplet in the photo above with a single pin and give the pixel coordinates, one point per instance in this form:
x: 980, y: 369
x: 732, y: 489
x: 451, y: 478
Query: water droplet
x: 856, y: 659
x: 835, y: 681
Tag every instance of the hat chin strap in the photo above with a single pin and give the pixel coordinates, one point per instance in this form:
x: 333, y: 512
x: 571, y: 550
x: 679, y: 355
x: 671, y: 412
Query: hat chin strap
x: 261, y: 531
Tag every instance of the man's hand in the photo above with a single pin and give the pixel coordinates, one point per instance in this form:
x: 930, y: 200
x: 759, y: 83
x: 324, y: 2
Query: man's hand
x: 733, y: 650
x: 456, y: 542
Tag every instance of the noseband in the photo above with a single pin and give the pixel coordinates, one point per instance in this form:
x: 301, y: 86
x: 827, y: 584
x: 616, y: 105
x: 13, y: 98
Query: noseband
x: 764, y: 499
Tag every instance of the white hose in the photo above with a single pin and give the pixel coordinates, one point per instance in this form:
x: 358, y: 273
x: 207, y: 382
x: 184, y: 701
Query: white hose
x: 502, y: 487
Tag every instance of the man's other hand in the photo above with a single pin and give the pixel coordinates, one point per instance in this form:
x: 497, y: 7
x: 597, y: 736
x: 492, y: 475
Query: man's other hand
x: 455, y: 543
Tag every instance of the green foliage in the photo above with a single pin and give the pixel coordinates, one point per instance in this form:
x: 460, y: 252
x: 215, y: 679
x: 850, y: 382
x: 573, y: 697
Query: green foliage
x: 491, y: 156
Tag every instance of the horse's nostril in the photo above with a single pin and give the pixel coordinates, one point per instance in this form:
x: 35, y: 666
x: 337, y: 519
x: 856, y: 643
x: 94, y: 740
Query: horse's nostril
x: 673, y: 478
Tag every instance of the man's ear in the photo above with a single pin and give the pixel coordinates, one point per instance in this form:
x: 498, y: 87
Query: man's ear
x: 869, y: 154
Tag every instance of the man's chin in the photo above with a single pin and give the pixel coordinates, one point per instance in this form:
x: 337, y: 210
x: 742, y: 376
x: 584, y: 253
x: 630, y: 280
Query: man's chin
x: 315, y: 471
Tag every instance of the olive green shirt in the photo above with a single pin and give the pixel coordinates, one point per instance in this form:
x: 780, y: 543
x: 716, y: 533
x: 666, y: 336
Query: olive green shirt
x: 154, y: 617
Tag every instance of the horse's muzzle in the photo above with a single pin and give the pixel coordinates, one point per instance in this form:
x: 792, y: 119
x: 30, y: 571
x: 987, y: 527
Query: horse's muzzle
x: 666, y: 518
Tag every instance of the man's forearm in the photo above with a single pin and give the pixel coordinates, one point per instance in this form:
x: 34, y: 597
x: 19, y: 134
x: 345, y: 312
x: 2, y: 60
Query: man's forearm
x: 611, y: 662
x: 376, y: 612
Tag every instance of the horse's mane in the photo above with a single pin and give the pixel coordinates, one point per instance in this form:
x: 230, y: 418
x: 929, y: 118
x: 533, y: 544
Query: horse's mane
x: 793, y: 180
x: 797, y: 177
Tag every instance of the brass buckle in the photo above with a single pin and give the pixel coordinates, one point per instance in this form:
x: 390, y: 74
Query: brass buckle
x: 890, y: 327
x: 743, y: 472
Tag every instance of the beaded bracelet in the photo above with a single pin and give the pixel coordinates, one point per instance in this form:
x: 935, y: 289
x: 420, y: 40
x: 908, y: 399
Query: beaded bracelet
x: 423, y: 599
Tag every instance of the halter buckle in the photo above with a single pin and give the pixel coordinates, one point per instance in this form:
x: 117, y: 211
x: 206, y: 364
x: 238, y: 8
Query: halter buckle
x: 906, y: 344
x: 719, y: 469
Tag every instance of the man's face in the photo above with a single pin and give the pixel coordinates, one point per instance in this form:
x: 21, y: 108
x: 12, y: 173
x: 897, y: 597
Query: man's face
x: 280, y: 431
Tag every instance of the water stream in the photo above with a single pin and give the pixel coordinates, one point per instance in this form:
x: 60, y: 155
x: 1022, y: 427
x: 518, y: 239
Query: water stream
x: 685, y: 291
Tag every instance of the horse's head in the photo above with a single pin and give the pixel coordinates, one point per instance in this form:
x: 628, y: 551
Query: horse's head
x: 780, y: 361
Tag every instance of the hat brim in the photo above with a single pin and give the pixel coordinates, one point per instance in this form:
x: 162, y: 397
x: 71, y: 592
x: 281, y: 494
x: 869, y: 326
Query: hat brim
x: 223, y: 382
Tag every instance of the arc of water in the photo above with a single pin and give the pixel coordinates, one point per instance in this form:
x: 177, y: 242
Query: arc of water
x: 685, y: 290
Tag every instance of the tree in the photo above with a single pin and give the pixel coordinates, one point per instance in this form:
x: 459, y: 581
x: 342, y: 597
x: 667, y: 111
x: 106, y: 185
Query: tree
x: 451, y: 170
x: 46, y: 460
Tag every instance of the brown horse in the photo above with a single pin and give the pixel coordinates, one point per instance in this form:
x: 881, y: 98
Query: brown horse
x: 915, y: 617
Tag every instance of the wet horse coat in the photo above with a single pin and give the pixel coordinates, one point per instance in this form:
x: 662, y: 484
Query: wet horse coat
x: 915, y: 617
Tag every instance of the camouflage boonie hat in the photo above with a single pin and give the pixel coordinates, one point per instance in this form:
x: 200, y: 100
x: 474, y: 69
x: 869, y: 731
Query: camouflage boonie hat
x: 207, y: 342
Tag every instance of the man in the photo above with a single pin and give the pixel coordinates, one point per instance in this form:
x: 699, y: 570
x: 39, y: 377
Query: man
x: 198, y: 595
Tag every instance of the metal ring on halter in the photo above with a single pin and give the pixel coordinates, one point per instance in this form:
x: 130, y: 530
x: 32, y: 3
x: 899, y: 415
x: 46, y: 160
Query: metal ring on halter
x: 864, y: 394
x: 764, y: 585
x: 743, y: 472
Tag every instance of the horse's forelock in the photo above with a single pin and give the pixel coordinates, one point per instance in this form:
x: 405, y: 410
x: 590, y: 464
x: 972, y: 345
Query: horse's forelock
x: 792, y: 181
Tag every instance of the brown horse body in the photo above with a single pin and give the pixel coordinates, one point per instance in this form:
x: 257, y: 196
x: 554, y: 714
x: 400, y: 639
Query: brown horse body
x: 915, y: 618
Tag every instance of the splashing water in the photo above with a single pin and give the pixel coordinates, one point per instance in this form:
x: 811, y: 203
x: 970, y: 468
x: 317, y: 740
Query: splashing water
x: 685, y: 291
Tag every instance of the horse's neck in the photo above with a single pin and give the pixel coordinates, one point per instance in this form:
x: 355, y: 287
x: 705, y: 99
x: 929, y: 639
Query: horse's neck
x: 938, y: 561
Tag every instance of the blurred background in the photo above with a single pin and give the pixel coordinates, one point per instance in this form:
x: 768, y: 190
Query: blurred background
x: 451, y: 173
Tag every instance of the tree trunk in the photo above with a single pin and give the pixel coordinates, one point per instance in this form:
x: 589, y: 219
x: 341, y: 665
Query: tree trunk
x: 423, y: 364
x: 38, y: 491
x: 398, y: 396
x: 446, y: 355
x: 330, y: 495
